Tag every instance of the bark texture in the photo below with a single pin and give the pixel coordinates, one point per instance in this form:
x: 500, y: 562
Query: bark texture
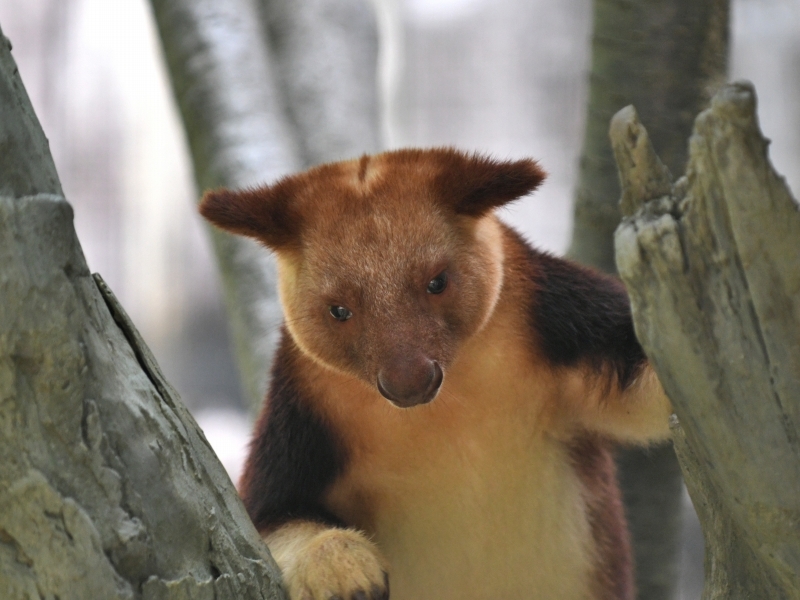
x: 667, y: 58
x: 266, y: 88
x: 108, y: 489
x: 711, y: 264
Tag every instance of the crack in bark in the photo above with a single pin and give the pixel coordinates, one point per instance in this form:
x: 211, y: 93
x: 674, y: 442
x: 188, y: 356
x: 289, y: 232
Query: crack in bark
x: 19, y: 553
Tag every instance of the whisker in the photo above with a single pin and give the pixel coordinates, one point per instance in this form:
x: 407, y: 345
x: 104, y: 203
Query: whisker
x: 457, y: 402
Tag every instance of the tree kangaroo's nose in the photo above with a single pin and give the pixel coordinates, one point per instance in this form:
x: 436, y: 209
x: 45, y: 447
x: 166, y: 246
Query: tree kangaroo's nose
x: 409, y: 381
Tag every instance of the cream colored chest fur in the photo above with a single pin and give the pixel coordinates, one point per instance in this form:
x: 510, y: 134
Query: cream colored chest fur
x: 470, y: 497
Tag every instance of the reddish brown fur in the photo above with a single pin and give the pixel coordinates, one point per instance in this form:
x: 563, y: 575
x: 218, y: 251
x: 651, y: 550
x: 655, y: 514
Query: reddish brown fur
x: 326, y: 215
x: 595, y: 465
x: 463, y: 184
x: 539, y: 358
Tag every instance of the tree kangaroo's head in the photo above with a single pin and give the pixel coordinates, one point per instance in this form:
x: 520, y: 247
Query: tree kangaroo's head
x: 386, y: 263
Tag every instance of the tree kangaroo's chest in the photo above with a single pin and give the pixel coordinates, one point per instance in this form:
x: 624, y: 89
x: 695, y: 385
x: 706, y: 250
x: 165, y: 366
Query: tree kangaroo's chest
x: 468, y: 497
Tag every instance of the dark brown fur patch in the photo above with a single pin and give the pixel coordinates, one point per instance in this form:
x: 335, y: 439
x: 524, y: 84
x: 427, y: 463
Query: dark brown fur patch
x: 596, y: 470
x: 293, y: 456
x: 582, y: 316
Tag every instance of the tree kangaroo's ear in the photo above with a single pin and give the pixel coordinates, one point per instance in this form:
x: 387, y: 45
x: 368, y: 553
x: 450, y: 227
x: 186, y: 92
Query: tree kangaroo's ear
x: 473, y: 184
x: 266, y: 213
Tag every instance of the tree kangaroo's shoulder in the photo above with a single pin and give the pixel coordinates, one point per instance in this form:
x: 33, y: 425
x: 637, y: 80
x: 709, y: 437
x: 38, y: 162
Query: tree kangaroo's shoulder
x: 576, y: 316
x: 294, y: 453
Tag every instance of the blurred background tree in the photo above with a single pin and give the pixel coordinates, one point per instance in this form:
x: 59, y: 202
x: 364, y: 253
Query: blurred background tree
x: 265, y: 89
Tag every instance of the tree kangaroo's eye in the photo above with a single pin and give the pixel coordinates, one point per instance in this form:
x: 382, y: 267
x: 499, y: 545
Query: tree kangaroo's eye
x: 340, y: 313
x: 437, y: 284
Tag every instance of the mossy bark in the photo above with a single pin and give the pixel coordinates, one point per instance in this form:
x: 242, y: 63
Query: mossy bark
x: 711, y: 264
x: 667, y: 58
x: 108, y: 488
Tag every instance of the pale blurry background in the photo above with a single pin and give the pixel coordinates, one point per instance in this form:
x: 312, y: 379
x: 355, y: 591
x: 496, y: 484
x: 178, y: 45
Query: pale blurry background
x: 502, y: 76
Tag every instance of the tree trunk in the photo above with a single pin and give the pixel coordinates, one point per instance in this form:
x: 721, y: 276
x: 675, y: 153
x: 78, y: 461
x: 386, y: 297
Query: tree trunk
x: 666, y: 57
x: 266, y: 88
x: 711, y: 264
x: 326, y: 55
x: 223, y: 78
x: 663, y: 56
x: 108, y: 488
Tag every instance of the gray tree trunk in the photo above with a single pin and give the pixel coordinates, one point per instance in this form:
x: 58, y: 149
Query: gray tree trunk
x: 223, y: 78
x: 108, y: 489
x: 712, y: 266
x: 326, y: 55
x: 266, y: 88
x: 666, y: 57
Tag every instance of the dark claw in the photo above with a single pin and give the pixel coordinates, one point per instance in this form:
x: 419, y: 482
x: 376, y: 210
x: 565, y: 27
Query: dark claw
x: 378, y: 593
x: 381, y: 593
x: 360, y: 595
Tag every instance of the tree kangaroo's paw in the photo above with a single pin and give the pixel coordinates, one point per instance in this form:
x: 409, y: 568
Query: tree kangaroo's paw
x: 337, y: 564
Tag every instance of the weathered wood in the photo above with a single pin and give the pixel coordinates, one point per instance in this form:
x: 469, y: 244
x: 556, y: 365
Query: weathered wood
x: 26, y: 166
x: 713, y: 270
x: 108, y: 489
